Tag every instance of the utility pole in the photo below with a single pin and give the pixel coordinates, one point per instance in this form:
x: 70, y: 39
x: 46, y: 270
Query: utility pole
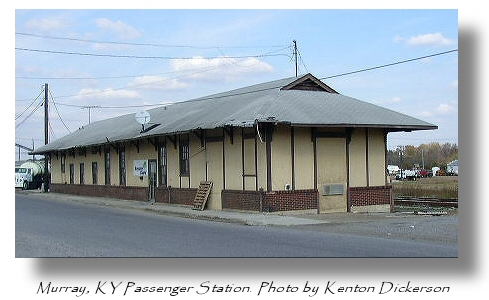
x: 24, y: 147
x: 295, y: 56
x: 46, y: 114
x: 46, y: 136
x: 89, y: 111
x: 422, y: 158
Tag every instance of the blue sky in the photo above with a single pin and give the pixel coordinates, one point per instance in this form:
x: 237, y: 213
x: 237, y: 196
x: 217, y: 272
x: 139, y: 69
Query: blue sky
x: 123, y: 61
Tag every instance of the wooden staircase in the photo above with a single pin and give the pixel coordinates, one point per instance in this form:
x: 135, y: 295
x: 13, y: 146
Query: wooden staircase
x: 202, y: 194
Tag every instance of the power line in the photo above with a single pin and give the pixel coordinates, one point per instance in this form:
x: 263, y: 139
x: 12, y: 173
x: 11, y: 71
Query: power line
x: 33, y: 111
x: 57, y: 112
x: 391, y: 64
x: 344, y: 74
x: 302, y: 61
x: 112, y: 107
x: 228, y: 95
x: 194, y: 72
x: 197, y: 71
x: 143, y: 57
x: 18, y: 116
x: 188, y: 72
x: 52, y: 131
x: 141, y: 44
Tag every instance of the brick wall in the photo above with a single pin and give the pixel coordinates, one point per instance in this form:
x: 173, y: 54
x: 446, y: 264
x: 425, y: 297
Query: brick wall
x: 109, y: 191
x: 181, y: 196
x: 372, y: 195
x: 231, y: 199
x: 243, y: 200
x: 269, y: 201
x: 290, y: 200
x: 162, y: 195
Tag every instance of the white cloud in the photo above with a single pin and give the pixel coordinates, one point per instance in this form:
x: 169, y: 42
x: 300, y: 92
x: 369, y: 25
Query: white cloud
x: 445, y: 108
x: 455, y: 83
x: 108, y: 93
x: 157, y: 83
x: 46, y: 24
x: 395, y: 100
x: 221, y: 68
x: 442, y: 109
x: 426, y: 114
x: 430, y: 39
x: 120, y: 28
x: 436, y: 39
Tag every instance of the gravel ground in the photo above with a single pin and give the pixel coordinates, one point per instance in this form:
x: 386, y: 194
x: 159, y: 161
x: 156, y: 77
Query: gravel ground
x: 441, y: 228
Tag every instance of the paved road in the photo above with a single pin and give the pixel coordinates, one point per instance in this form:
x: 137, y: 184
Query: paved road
x: 53, y: 228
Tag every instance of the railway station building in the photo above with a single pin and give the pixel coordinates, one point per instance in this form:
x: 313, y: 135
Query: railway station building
x: 289, y: 144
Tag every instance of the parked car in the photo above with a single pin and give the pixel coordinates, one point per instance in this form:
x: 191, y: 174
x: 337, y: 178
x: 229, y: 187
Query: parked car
x: 441, y: 173
x: 406, y: 175
x: 423, y: 173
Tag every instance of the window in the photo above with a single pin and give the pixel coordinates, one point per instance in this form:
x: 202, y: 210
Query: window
x: 162, y: 156
x: 122, y: 167
x: 94, y: 172
x: 82, y: 173
x: 63, y: 162
x: 184, y: 158
x: 72, y: 173
x: 107, y: 166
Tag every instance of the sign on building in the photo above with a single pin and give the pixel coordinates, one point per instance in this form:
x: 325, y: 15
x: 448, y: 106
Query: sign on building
x: 140, y: 168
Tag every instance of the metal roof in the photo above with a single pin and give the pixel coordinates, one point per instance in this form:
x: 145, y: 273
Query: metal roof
x: 243, y: 108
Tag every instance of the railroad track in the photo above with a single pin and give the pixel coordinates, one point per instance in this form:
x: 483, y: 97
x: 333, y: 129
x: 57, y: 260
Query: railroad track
x: 428, y: 202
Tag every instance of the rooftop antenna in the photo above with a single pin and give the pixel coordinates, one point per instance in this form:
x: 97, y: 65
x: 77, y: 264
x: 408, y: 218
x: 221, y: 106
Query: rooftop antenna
x: 142, y: 118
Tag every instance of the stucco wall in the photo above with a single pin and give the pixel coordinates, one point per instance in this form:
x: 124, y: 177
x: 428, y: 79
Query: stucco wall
x: 173, y: 172
x: 304, y: 159
x: 261, y: 171
x: 197, y: 161
x: 376, y: 157
x: 281, y: 158
x: 232, y: 157
x: 249, y: 164
x: 146, y: 152
x: 358, y: 158
x: 331, y: 169
x: 221, y: 162
x: 214, y: 173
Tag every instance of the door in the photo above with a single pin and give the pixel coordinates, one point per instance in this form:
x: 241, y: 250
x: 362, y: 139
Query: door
x: 152, y: 179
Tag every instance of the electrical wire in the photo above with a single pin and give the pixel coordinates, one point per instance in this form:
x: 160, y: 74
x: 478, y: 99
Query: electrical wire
x: 52, y: 131
x: 140, y: 44
x: 390, y: 64
x: 142, y: 57
x: 140, y: 85
x: 302, y: 61
x: 19, y: 115
x: 57, y: 112
x: 114, y: 107
x: 33, y: 111
x: 274, y: 87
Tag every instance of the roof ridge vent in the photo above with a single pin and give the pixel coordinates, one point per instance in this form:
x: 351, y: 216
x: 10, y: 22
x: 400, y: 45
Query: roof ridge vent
x: 308, y: 83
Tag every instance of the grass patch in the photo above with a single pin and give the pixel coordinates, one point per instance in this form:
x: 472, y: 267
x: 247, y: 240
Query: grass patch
x: 445, y: 187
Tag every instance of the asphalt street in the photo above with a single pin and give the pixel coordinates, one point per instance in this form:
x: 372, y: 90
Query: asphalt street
x: 55, y: 225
